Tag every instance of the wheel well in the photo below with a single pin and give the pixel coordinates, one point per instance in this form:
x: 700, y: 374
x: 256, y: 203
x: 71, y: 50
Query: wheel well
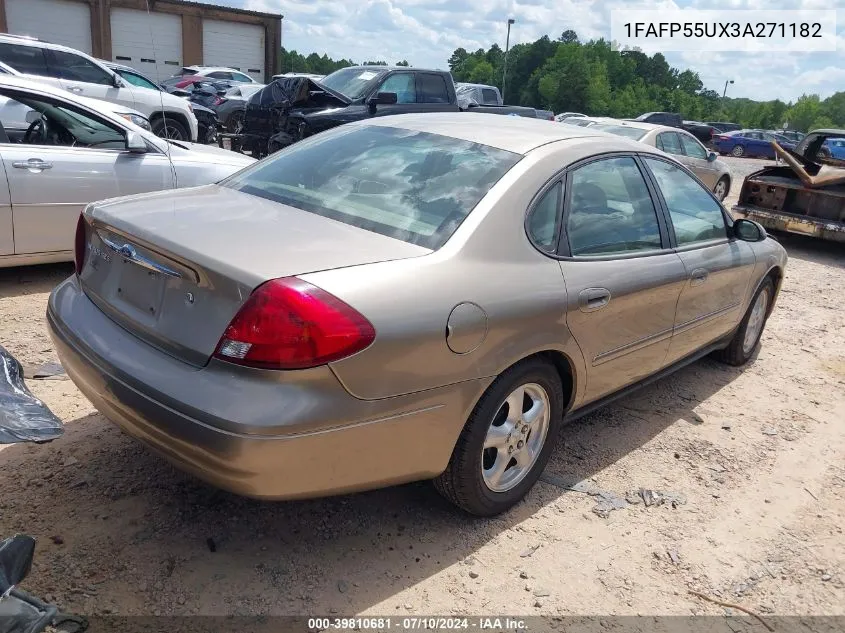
x: 776, y: 275
x: 565, y: 370
x: 176, y: 116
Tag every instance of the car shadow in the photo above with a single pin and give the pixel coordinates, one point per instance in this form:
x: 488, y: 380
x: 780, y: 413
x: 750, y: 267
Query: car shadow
x: 25, y: 280
x: 120, y: 516
x: 811, y: 249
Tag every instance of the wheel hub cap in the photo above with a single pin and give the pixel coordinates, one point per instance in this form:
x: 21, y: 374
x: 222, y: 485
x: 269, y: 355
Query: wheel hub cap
x: 515, y: 437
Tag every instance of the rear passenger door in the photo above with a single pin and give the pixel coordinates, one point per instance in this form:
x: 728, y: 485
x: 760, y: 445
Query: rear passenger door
x: 623, y: 280
x: 717, y: 269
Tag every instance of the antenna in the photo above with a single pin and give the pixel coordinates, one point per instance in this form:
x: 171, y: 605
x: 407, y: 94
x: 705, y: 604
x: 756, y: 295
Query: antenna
x: 161, y: 90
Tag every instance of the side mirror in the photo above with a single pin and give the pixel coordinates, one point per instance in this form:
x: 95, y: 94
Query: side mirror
x: 384, y: 98
x: 711, y: 157
x: 135, y: 143
x: 749, y: 230
x: 15, y: 560
x: 116, y: 82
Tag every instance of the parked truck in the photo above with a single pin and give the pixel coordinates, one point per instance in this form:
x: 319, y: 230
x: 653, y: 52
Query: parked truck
x: 291, y: 108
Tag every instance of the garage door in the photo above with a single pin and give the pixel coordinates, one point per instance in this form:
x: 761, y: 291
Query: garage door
x: 234, y: 45
x: 151, y: 43
x: 56, y: 21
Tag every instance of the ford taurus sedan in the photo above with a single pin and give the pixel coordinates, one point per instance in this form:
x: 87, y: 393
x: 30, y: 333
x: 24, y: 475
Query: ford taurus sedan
x: 405, y: 298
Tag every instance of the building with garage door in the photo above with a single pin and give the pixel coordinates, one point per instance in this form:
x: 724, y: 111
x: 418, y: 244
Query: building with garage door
x: 172, y: 34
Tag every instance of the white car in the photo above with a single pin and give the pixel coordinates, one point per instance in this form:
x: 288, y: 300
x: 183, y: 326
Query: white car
x: 61, y: 151
x: 63, y: 67
x: 218, y: 72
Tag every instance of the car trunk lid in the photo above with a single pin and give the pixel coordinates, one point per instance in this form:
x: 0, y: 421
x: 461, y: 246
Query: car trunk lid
x: 173, y: 268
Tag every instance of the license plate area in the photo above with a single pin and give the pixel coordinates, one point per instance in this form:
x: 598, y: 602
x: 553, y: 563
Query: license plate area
x: 139, y: 291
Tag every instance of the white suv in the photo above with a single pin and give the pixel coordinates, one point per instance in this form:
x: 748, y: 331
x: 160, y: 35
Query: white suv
x: 63, y: 67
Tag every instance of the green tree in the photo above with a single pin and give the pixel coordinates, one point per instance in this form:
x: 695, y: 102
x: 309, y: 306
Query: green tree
x: 822, y: 122
x: 404, y: 62
x: 804, y: 112
x: 482, y: 73
x: 568, y: 36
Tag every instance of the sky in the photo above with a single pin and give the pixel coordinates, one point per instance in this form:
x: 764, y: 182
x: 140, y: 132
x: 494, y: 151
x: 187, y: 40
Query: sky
x: 426, y: 32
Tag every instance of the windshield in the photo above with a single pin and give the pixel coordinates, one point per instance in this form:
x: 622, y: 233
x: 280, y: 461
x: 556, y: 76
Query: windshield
x: 352, y: 82
x: 621, y: 130
x: 413, y: 186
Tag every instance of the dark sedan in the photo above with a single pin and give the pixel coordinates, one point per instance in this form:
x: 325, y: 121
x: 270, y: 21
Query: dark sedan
x: 230, y: 106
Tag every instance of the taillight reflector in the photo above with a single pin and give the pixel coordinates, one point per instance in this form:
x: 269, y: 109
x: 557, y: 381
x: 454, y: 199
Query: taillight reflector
x: 290, y: 324
x: 79, y: 244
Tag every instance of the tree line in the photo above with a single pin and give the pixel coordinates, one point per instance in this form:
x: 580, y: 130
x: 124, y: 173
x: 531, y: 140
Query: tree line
x: 567, y: 75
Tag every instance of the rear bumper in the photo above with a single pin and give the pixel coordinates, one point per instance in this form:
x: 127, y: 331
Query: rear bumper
x: 803, y: 225
x: 279, y: 435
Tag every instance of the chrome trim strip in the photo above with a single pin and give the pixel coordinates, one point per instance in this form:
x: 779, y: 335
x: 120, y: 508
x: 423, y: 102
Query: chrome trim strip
x: 651, y: 339
x: 700, y: 320
x: 129, y: 254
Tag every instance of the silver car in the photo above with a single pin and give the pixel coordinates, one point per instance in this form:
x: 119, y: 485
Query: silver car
x: 404, y: 298
x: 61, y: 151
x: 683, y: 146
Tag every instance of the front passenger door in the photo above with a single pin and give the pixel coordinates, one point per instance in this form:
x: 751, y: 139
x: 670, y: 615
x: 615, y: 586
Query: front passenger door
x: 622, y: 279
x: 718, y: 269
x: 403, y: 84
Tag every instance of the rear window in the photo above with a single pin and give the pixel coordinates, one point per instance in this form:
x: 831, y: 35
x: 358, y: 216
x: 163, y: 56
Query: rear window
x: 413, y: 186
x: 621, y: 130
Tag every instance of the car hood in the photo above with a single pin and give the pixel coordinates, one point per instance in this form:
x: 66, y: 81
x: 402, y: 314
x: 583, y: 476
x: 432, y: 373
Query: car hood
x: 208, y: 154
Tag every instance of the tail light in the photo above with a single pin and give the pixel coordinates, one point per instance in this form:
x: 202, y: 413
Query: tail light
x: 218, y: 101
x: 289, y: 324
x: 79, y: 244
x: 722, y: 137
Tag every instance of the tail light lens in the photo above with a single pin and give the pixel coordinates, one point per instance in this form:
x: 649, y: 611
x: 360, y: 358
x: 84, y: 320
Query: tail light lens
x: 218, y: 100
x: 290, y: 324
x: 79, y: 243
x: 722, y: 137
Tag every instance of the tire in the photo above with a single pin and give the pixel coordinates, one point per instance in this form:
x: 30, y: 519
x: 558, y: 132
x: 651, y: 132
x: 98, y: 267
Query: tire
x: 170, y: 128
x: 722, y: 188
x: 463, y: 482
x: 739, y: 350
x: 235, y: 123
x: 738, y: 151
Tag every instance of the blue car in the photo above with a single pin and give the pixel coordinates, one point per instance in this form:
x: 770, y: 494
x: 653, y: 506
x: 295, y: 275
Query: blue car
x: 750, y: 143
x: 833, y: 148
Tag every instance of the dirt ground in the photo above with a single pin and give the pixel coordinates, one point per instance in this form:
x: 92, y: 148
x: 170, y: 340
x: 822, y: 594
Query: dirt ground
x: 753, y: 458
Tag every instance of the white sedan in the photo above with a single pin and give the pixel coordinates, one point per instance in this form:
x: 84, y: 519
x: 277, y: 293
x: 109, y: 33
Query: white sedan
x: 61, y: 151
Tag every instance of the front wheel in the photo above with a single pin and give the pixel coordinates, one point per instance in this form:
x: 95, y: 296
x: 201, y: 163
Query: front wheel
x: 747, y: 337
x: 506, y: 442
x: 170, y: 128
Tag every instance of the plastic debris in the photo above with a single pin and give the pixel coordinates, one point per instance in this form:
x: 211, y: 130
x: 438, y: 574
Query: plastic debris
x: 23, y: 417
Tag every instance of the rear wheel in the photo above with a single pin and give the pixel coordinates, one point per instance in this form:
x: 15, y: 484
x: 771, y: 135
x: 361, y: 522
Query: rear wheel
x: 738, y: 151
x: 170, y: 128
x: 507, y: 440
x: 721, y: 188
x: 747, y: 336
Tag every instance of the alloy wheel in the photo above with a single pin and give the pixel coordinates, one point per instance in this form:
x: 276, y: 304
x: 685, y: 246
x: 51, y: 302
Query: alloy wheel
x: 755, y: 321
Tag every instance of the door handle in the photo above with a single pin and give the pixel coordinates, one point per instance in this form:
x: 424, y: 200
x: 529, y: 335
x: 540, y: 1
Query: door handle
x: 34, y: 165
x: 698, y: 276
x: 75, y: 89
x: 591, y: 299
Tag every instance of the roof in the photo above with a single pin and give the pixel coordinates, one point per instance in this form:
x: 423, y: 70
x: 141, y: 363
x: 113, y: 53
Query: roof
x: 510, y: 133
x: 381, y: 67
x: 205, y: 5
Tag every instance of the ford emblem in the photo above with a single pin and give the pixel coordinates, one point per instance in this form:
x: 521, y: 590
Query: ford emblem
x: 127, y: 251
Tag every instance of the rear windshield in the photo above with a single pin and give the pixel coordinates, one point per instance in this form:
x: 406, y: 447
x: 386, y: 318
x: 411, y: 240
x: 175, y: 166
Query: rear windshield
x: 413, y: 186
x: 621, y: 130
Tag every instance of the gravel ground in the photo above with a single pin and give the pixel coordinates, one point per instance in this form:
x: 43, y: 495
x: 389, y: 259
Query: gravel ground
x: 740, y: 168
x: 752, y: 458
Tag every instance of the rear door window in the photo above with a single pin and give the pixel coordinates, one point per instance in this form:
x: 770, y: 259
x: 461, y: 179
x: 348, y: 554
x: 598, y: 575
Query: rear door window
x: 670, y: 143
x: 76, y: 68
x: 610, y: 210
x: 29, y: 60
x: 431, y: 88
x: 489, y: 96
